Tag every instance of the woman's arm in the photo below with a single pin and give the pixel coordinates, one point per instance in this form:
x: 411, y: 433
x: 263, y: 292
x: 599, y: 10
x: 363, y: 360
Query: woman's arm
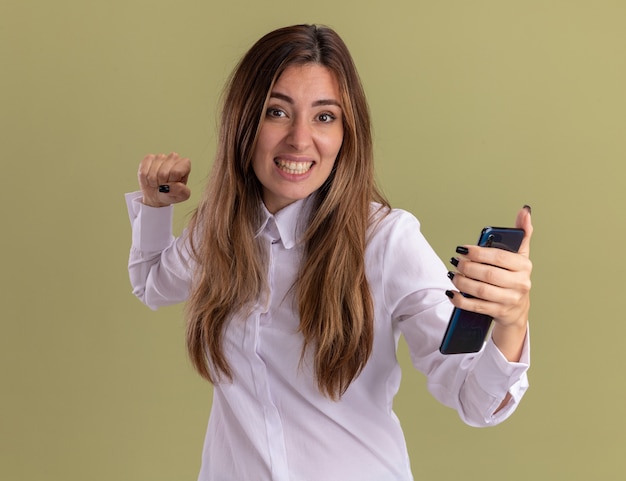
x: 483, y: 387
x: 159, y: 265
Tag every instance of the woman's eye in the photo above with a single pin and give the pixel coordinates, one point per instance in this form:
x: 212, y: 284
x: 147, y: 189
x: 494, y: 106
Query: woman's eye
x: 326, y: 117
x: 277, y: 113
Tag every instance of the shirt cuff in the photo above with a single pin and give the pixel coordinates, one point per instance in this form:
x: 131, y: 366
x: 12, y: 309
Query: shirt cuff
x: 152, y: 226
x: 495, y: 374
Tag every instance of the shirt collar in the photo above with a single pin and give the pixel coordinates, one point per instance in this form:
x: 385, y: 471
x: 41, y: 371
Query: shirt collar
x: 289, y: 223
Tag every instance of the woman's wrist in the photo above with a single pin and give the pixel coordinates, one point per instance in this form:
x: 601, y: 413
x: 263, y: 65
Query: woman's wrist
x: 509, y: 339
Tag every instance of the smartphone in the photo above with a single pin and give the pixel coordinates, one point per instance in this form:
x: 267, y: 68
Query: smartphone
x: 467, y: 331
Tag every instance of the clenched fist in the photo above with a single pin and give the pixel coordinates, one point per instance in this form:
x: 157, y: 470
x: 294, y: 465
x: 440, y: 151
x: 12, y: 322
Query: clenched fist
x: 163, y: 179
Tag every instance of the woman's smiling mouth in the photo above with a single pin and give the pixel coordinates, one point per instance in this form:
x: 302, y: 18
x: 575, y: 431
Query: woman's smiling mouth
x: 293, y: 167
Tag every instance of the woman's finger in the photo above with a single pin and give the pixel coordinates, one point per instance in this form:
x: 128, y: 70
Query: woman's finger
x: 524, y: 221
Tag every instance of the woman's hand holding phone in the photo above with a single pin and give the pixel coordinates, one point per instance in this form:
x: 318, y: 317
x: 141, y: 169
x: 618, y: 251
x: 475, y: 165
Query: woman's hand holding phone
x: 497, y: 283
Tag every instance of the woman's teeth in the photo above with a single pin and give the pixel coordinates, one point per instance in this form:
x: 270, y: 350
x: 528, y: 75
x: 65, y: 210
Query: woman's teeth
x: 292, y: 167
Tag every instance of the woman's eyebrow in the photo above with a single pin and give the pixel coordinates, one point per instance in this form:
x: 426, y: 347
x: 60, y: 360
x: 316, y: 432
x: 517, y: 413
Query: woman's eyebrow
x: 317, y: 103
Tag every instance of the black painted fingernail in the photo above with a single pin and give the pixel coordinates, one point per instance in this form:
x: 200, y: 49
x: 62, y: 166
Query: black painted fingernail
x: 528, y: 208
x: 462, y: 250
x: 450, y: 275
x: 164, y: 188
x: 450, y: 294
x: 454, y: 261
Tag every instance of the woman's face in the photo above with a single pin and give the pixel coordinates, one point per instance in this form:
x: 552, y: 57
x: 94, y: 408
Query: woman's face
x: 300, y: 135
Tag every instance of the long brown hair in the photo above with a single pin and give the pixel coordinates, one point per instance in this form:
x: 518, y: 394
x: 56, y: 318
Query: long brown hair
x: 334, y: 301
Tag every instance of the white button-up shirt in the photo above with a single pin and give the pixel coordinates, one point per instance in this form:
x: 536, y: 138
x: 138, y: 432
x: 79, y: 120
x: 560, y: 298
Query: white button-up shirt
x: 271, y: 422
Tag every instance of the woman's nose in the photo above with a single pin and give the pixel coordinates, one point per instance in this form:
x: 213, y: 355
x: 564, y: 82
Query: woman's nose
x: 299, y: 135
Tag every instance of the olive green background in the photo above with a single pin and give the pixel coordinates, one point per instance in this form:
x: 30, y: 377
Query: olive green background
x: 478, y: 107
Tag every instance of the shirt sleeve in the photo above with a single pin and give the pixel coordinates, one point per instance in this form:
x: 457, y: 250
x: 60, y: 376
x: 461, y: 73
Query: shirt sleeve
x: 415, y: 281
x: 159, y: 264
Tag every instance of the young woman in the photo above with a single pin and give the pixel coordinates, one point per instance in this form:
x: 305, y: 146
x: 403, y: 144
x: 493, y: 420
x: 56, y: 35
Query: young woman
x: 299, y: 279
